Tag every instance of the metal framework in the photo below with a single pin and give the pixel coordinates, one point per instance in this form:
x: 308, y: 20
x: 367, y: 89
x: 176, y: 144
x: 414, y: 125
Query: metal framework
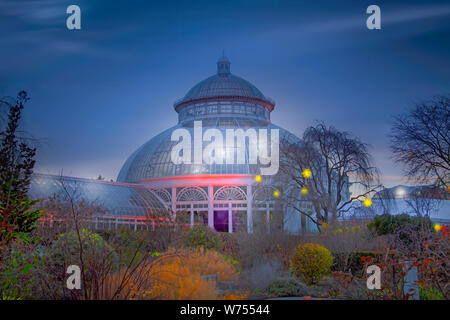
x: 150, y: 181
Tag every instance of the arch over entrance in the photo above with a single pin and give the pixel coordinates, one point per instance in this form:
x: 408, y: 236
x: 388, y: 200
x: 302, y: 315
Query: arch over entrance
x: 192, y: 194
x: 230, y: 193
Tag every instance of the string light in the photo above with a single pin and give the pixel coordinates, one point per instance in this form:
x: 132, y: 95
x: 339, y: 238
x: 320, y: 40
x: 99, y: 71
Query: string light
x: 306, y: 173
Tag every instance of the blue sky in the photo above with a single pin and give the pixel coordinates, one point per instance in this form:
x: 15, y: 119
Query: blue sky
x: 101, y: 92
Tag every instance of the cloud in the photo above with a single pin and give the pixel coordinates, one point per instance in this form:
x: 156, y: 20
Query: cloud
x: 328, y: 24
x: 34, y: 11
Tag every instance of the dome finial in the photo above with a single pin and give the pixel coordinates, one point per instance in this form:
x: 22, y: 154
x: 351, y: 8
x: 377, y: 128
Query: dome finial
x: 223, y: 65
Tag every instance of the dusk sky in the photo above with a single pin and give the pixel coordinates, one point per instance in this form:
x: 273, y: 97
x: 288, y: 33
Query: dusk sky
x: 99, y: 93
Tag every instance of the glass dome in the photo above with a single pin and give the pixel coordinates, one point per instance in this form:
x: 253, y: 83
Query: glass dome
x: 224, y: 86
x: 153, y: 159
x: 223, y: 101
x: 229, y: 85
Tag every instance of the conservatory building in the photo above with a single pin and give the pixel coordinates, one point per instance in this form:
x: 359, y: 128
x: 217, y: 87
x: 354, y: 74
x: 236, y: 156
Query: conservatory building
x: 223, y: 195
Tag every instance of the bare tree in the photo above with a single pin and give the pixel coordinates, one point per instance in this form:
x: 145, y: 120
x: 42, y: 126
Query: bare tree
x: 337, y: 161
x: 425, y: 200
x: 108, y: 270
x: 420, y: 140
x: 68, y: 208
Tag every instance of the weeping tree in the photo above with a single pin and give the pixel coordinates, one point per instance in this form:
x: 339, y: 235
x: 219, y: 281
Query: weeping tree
x: 321, y: 169
x: 420, y: 140
x: 17, y: 216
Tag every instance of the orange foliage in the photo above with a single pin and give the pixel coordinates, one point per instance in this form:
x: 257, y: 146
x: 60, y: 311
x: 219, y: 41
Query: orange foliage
x: 235, y: 296
x: 176, y: 282
x: 204, y: 262
x: 176, y: 275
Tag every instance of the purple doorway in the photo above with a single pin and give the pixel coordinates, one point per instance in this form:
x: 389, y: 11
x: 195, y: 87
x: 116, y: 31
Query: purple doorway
x: 221, y: 220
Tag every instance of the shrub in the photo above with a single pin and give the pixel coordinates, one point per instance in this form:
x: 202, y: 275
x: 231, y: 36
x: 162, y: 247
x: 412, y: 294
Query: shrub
x: 235, y: 296
x: 343, y: 238
x: 202, y: 261
x: 98, y: 259
x: 66, y: 249
x: 154, y: 240
x: 288, y: 287
x: 354, y: 263
x: 430, y: 293
x: 405, y: 233
x: 390, y: 224
x: 202, y: 236
x: 230, y: 245
x: 257, y: 247
x: 433, y: 264
x: 17, y: 265
x: 261, y: 274
x: 175, y: 281
x: 311, y: 262
x: 176, y: 274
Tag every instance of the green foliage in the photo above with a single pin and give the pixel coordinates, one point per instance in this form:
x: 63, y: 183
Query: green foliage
x: 202, y: 236
x: 390, y: 224
x: 130, y: 245
x: 288, y: 287
x: 231, y: 260
x: 18, y: 263
x: 310, y: 262
x: 65, y: 250
x: 354, y: 263
x: 430, y: 293
x: 16, y: 167
x: 407, y: 231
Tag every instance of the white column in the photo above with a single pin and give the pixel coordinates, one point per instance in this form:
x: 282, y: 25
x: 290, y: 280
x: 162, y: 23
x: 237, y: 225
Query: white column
x: 268, y: 217
x: 174, y: 204
x: 210, y: 207
x: 230, y: 218
x: 249, y: 209
x: 174, y: 200
x: 192, y: 215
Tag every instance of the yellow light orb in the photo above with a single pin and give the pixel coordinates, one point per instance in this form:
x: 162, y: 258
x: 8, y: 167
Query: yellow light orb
x: 367, y: 202
x: 276, y: 193
x: 304, y: 190
x: 258, y: 178
x: 306, y: 173
x: 437, y: 227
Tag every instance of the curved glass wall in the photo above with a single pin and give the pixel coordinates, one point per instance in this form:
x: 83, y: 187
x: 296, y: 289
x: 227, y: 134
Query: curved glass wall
x: 222, y: 101
x: 153, y: 159
x: 116, y: 199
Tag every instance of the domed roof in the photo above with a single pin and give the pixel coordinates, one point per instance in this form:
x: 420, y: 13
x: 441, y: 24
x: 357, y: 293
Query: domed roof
x: 153, y: 159
x: 224, y: 84
x: 223, y: 101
